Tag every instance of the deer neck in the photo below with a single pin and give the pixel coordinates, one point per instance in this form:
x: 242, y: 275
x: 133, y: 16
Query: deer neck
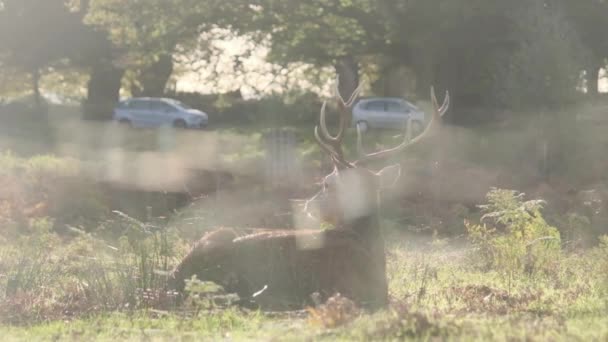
x: 367, y: 227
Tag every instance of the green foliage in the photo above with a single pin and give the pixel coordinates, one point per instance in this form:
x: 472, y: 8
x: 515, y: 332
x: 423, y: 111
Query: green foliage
x: 600, y: 254
x: 150, y: 28
x: 545, y: 68
x: 47, y: 276
x: 520, y: 240
x: 268, y: 111
x: 150, y: 33
x: 82, y: 285
x: 235, y: 324
x: 587, y: 17
x: 329, y: 31
x: 28, y: 266
x: 207, y: 296
x: 33, y: 37
x: 516, y: 53
x: 485, y: 52
x: 49, y: 186
x: 13, y: 83
x: 148, y: 251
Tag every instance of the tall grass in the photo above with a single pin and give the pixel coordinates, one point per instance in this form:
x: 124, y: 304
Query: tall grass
x: 45, y: 276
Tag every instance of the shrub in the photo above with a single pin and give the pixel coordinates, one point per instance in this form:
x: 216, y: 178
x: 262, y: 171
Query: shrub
x: 43, y: 276
x: 519, y: 240
x: 147, y: 254
x: 28, y: 264
x: 290, y: 109
x: 600, y: 255
x: 47, y: 186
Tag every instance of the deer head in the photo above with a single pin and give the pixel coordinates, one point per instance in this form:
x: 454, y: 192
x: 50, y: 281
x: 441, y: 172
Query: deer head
x: 351, y: 190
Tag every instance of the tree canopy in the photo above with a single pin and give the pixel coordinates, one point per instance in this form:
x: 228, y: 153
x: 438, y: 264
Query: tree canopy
x: 488, y: 52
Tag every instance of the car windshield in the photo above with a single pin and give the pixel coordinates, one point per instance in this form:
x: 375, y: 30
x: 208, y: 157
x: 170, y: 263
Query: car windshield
x: 179, y: 104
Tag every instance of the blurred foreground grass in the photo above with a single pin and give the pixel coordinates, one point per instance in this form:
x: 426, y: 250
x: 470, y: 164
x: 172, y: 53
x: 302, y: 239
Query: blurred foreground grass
x: 436, y: 292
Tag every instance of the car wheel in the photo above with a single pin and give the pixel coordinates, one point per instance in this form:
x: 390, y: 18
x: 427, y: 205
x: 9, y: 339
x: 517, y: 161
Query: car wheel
x: 362, y: 126
x: 179, y: 123
x: 417, y: 128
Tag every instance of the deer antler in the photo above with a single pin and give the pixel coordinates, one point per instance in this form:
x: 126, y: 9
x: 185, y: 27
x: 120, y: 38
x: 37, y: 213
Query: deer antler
x: 438, y: 112
x: 333, y: 144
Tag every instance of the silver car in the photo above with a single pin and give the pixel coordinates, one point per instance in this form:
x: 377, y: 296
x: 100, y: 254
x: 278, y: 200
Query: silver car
x: 387, y: 112
x: 156, y: 112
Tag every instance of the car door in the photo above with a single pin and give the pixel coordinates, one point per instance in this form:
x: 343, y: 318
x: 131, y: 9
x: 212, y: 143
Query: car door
x: 121, y: 111
x: 167, y: 113
x: 376, y: 114
x: 159, y: 113
x: 138, y: 111
x: 397, y: 114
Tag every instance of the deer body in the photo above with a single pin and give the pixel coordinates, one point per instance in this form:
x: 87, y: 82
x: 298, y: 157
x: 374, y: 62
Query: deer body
x: 291, y: 265
x: 283, y: 268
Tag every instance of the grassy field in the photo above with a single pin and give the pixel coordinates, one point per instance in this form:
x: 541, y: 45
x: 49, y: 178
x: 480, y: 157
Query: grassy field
x: 507, y: 284
x: 438, y: 293
x: 71, y: 268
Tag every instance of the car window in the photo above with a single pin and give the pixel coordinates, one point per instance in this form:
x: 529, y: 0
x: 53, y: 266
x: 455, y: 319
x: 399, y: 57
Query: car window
x: 123, y: 104
x: 180, y: 104
x: 376, y: 105
x: 156, y: 105
x: 393, y: 106
x: 165, y: 107
x: 139, y: 105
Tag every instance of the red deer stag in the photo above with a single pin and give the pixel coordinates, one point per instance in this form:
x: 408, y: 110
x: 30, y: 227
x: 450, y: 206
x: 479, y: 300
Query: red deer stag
x: 281, y: 269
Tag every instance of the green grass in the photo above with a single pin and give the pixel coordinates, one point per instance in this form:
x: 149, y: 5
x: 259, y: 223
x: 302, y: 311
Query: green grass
x: 247, y: 327
x: 86, y: 288
x: 79, y: 289
x: 437, y: 295
x: 144, y: 325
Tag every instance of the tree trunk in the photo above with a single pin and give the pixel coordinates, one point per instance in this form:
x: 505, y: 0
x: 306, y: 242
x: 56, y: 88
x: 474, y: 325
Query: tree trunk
x: 153, y: 79
x: 36, y: 88
x: 593, y: 79
x: 103, y: 91
x: 347, y: 70
x: 552, y: 141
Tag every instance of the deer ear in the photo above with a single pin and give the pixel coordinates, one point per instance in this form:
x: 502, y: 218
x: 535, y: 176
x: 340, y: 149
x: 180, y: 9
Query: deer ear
x: 389, y: 176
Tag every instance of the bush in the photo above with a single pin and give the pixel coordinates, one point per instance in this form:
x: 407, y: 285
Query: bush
x: 47, y: 186
x: 290, y: 109
x: 600, y: 255
x: 43, y: 276
x: 519, y: 241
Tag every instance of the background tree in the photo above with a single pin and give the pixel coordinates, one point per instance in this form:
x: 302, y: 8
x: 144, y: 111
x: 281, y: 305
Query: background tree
x: 489, y: 52
x: 151, y: 33
x: 545, y: 68
x: 588, y: 18
x: 322, y: 33
x: 454, y: 42
x: 34, y: 37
